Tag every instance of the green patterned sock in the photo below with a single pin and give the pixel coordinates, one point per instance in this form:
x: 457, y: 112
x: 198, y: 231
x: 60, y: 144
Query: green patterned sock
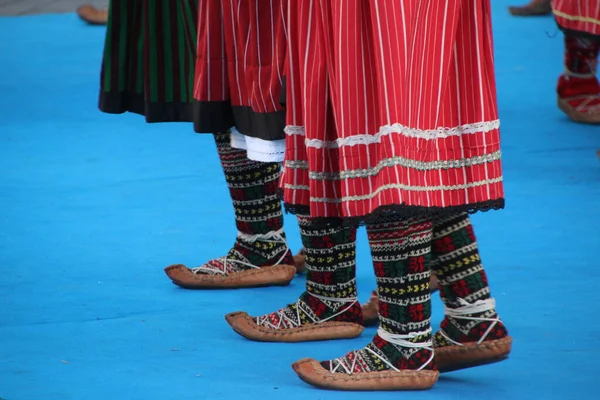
x: 462, y: 282
x: 258, y: 213
x: 401, y: 250
x: 330, y: 283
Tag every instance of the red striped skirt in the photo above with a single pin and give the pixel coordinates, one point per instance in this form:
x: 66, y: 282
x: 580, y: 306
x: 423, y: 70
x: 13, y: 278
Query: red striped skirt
x: 239, y: 67
x: 391, y: 108
x: 578, y: 16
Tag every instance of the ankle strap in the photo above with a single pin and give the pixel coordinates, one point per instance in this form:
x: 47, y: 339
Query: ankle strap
x: 403, y: 341
x: 275, y: 236
x: 466, y: 310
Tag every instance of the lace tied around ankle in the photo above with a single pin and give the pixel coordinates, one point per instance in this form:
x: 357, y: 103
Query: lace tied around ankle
x: 466, y: 310
x: 396, y: 339
x: 265, y: 321
x: 270, y: 237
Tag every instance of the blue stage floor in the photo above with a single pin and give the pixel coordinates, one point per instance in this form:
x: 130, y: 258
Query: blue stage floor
x: 93, y: 206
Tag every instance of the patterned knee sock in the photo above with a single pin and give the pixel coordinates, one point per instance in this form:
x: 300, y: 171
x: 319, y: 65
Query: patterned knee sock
x: 463, y: 284
x: 331, y: 280
x: 258, y: 213
x: 401, y: 252
x: 581, y: 56
x: 581, y: 60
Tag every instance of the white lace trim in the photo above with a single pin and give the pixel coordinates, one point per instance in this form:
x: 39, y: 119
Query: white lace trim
x: 398, y: 186
x: 386, y: 130
x: 258, y: 149
x: 294, y: 130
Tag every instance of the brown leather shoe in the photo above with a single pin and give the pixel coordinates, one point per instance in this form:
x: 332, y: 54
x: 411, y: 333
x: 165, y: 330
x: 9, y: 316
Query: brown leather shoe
x: 92, y: 15
x: 533, y: 9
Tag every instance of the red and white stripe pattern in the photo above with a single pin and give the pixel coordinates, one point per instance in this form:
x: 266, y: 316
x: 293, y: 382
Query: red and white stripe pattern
x: 241, y: 53
x: 578, y: 15
x: 390, y: 103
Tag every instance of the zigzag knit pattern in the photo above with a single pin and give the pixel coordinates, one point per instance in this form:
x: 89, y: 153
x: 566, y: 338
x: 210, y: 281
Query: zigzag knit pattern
x: 258, y: 211
x: 401, y: 250
x: 331, y: 280
x: 461, y: 276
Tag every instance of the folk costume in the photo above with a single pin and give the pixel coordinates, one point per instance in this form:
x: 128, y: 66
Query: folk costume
x: 150, y: 68
x: 392, y: 123
x: 578, y: 88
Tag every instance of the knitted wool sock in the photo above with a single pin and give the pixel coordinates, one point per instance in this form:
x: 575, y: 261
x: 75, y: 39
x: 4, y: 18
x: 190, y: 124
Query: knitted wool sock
x: 258, y: 213
x: 401, y: 251
x: 581, y: 56
x: 463, y: 283
x: 581, y: 60
x: 331, y: 280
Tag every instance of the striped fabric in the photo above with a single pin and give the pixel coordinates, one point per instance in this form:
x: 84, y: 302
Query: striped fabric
x: 241, y: 54
x: 391, y: 105
x: 149, y: 56
x: 578, y: 16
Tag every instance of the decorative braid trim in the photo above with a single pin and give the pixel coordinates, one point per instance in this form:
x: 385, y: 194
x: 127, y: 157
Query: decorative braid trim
x: 386, y: 130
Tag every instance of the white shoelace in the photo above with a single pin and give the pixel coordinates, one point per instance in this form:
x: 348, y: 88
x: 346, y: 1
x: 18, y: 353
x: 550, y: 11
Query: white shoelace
x: 270, y: 237
x: 584, y: 106
x: 294, y: 323
x: 398, y: 340
x: 466, y: 308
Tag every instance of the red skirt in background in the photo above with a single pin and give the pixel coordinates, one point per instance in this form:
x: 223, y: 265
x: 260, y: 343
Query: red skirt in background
x: 578, y: 16
x: 391, y: 108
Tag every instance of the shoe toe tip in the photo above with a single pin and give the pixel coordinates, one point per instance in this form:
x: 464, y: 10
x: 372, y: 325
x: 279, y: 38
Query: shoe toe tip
x: 235, y: 319
x: 304, y: 367
x: 175, y: 270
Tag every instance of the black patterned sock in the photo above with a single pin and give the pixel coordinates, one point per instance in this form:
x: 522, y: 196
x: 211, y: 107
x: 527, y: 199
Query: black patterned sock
x: 258, y: 213
x: 462, y: 281
x: 401, y: 250
x: 331, y: 280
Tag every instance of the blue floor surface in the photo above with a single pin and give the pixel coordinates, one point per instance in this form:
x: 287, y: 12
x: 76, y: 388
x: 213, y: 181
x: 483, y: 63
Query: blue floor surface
x: 93, y: 206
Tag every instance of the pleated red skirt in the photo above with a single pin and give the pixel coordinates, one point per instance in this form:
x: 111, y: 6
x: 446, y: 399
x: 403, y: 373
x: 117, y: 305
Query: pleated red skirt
x: 391, y: 108
x: 239, y: 67
x: 578, y: 16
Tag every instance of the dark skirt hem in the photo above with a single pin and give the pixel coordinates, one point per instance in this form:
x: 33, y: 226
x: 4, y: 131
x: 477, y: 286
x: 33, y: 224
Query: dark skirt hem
x: 579, y: 34
x: 119, y: 103
x: 397, y: 211
x: 219, y: 116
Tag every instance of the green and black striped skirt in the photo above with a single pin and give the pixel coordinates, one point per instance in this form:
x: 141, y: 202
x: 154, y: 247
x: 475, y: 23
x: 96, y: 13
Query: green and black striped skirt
x: 149, y: 58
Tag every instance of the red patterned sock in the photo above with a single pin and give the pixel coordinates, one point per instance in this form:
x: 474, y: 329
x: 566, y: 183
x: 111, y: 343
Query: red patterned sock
x: 330, y: 283
x: 258, y: 213
x: 470, y: 312
x: 581, y: 61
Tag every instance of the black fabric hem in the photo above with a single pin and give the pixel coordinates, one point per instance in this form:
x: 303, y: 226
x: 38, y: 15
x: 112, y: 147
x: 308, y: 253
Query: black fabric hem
x: 212, y: 116
x: 397, y: 211
x: 579, y: 34
x: 120, y: 103
x: 220, y: 116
